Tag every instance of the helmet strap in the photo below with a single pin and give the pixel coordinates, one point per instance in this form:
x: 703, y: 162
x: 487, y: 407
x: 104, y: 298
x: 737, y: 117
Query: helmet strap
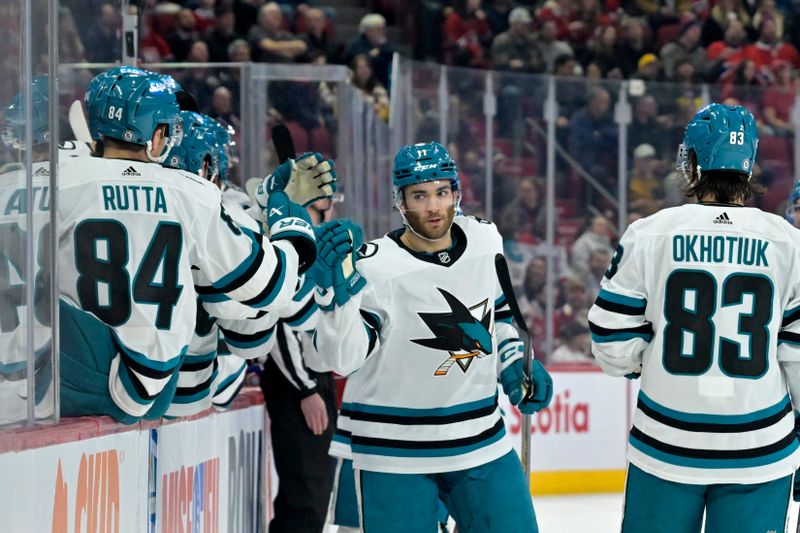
x: 161, y: 158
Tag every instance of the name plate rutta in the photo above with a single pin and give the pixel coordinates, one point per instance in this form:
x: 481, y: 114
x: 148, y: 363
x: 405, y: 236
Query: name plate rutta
x: 705, y: 249
x: 133, y: 198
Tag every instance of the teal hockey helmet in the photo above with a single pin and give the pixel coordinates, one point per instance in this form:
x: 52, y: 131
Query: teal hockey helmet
x: 792, y: 202
x: 418, y: 163
x: 723, y: 137
x: 223, y: 137
x: 133, y: 108
x: 198, y: 145
x: 96, y: 90
x: 15, y: 121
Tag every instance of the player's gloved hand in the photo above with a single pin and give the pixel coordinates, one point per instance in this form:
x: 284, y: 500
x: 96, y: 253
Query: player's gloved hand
x: 529, y: 396
x: 333, y: 245
x: 287, y: 220
x: 335, y: 271
x: 305, y: 180
x: 541, y: 393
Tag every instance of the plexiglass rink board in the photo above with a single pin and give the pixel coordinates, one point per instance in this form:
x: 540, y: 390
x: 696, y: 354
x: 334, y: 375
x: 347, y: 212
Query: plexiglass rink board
x: 27, y: 365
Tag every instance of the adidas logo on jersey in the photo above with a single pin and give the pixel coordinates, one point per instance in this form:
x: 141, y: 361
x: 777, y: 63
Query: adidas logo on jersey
x: 130, y: 171
x: 723, y: 219
x: 41, y: 171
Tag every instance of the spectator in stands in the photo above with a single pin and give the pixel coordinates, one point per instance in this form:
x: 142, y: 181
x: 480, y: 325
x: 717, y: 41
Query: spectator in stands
x: 593, y: 134
x: 595, y: 236
x: 239, y: 51
x: 721, y: 16
x: 467, y: 35
x: 497, y: 13
x: 153, y: 48
x: 523, y: 219
x: 551, y: 46
x: 199, y: 82
x: 535, y: 281
x: 102, y: 42
x: 779, y: 100
x: 363, y: 79
x: 205, y: 15
x: 371, y: 41
x: 635, y: 43
x: 183, y: 35
x: 599, y: 259
x: 70, y: 46
x: 222, y: 108
x: 767, y: 10
x: 769, y: 48
x: 648, y: 68
x: 649, y: 127
x: 744, y: 87
x: 270, y: 42
x: 726, y: 54
x: 220, y: 37
x: 576, y: 304
x: 319, y: 40
x: 604, y: 50
x: 645, y: 187
x: 687, y: 45
x: 517, y: 49
x: 246, y: 14
x: 575, y: 344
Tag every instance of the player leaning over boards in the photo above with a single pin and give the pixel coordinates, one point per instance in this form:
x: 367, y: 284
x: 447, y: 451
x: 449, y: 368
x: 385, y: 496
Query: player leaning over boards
x: 423, y: 342
x: 703, y: 301
x: 130, y: 234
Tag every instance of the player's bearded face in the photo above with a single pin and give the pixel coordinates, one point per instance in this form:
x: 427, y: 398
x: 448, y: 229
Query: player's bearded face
x: 430, y: 208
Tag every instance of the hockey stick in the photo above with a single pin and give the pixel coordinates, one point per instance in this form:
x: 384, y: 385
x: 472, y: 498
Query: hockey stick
x: 77, y: 121
x: 283, y: 143
x: 505, y: 285
x: 284, y: 149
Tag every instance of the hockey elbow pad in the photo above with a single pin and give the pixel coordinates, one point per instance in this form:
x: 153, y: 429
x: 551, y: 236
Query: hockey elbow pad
x: 287, y: 220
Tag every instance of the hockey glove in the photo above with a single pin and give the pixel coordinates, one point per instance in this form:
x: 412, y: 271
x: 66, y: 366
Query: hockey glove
x: 516, y: 385
x: 305, y: 180
x: 333, y: 245
x: 287, y: 220
x: 335, y: 272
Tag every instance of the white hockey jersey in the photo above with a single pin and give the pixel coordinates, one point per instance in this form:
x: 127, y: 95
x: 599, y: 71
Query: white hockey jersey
x: 13, y: 297
x: 705, y: 299
x: 130, y: 233
x: 419, y: 346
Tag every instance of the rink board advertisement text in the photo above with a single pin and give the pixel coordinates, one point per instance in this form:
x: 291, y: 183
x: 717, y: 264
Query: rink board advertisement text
x: 578, y: 443
x: 199, y: 475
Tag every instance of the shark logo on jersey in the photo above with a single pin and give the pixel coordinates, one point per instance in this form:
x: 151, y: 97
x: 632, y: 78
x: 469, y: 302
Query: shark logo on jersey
x: 464, y: 332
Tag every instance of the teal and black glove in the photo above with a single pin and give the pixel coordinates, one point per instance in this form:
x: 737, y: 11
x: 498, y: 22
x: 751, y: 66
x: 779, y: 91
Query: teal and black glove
x: 287, y: 220
x: 335, y: 272
x: 517, y: 386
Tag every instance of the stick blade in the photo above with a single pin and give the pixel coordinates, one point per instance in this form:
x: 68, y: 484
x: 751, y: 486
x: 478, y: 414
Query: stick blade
x: 77, y: 121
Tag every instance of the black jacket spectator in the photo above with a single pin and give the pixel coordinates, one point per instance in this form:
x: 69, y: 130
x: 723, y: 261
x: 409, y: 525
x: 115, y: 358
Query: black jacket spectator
x: 221, y: 35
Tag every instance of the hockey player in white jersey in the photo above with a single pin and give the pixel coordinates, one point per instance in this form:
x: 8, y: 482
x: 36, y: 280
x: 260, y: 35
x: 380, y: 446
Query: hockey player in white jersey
x: 130, y: 233
x: 703, y: 302
x: 14, y: 230
x: 421, y: 328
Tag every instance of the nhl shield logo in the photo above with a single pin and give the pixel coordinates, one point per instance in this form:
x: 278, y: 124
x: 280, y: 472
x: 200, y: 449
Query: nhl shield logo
x: 444, y: 257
